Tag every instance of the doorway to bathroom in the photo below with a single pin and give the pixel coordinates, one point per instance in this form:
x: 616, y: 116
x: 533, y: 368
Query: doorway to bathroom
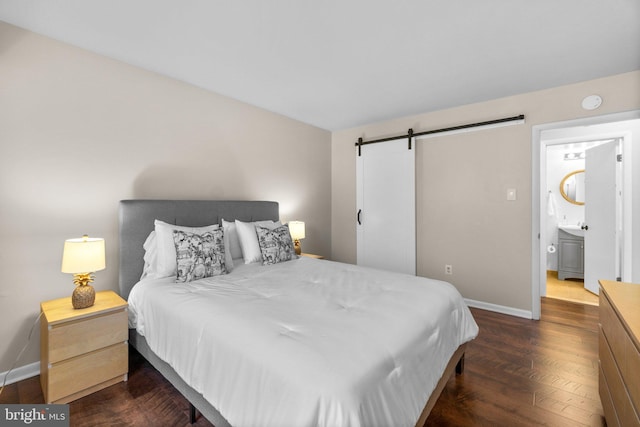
x: 568, y: 242
x: 559, y: 220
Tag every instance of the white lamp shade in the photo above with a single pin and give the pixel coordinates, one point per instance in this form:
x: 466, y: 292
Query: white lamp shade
x: 296, y: 228
x: 84, y: 255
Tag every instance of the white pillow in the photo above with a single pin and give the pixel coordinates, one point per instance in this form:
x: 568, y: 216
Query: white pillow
x: 166, y: 265
x: 150, y: 256
x: 249, y: 240
x: 232, y: 249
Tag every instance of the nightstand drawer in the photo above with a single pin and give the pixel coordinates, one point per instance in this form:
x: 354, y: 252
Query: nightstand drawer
x: 71, y: 339
x: 74, y: 375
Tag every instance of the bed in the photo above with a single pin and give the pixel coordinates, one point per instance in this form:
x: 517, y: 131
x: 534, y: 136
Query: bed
x: 302, y: 342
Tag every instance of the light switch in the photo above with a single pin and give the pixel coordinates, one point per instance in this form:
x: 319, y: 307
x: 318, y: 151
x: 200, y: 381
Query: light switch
x: 511, y: 194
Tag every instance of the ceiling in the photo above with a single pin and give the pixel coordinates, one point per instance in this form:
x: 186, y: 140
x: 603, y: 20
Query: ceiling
x: 337, y: 64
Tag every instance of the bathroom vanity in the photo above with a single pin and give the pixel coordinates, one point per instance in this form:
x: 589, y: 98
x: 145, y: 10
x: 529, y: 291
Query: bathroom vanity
x: 570, y: 253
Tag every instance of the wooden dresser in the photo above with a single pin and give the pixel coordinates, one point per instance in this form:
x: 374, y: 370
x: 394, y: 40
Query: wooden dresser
x: 619, y: 352
x: 85, y: 350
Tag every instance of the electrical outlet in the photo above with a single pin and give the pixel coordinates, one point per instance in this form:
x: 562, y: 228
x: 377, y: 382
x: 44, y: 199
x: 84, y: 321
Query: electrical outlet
x: 448, y: 269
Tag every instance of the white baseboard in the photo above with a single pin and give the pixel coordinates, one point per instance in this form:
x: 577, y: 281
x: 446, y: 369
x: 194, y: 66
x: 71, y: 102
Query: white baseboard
x: 21, y: 373
x: 499, y: 308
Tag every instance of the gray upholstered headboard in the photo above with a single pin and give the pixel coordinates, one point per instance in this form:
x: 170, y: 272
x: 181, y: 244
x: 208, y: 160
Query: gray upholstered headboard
x: 137, y: 216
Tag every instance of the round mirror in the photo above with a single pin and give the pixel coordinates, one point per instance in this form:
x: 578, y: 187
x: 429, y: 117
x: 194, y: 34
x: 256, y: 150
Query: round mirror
x: 572, y: 187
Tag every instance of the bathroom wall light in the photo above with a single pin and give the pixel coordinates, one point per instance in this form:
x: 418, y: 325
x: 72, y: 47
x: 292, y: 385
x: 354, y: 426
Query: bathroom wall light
x: 574, y: 156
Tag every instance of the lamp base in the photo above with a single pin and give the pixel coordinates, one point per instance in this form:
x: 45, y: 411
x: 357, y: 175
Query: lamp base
x: 83, y: 296
x: 296, y: 246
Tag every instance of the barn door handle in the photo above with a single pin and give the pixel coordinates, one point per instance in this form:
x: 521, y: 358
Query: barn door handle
x: 359, y: 212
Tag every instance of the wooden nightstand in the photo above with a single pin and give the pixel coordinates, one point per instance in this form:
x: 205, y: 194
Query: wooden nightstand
x: 85, y: 350
x: 312, y: 256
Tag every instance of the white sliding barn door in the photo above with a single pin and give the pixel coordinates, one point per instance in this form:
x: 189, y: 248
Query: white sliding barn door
x: 386, y: 207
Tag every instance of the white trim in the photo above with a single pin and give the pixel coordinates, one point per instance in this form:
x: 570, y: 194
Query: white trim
x: 538, y: 161
x: 22, y: 373
x: 498, y: 308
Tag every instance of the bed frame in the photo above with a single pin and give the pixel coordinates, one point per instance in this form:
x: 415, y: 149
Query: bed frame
x: 136, y: 222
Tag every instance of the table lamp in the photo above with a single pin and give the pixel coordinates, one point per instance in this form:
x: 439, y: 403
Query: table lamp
x: 296, y: 228
x: 82, y: 257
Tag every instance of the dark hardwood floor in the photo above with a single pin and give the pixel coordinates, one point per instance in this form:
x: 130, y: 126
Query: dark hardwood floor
x: 518, y: 372
x: 522, y: 372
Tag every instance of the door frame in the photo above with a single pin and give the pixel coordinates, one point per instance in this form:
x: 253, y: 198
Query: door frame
x: 539, y: 182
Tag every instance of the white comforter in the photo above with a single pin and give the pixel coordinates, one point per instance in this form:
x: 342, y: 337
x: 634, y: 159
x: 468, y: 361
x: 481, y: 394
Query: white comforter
x: 306, y: 342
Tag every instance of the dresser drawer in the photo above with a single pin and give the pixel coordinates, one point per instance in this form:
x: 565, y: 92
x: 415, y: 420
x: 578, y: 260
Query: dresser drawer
x: 631, y: 373
x: 619, y: 345
x: 631, y: 418
x: 71, y: 339
x: 611, y: 373
x: 624, y: 411
x: 612, y: 328
x: 82, y: 372
x: 607, y: 401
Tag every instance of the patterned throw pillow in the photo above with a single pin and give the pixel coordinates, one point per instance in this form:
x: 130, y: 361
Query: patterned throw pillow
x: 275, y: 244
x: 199, y: 255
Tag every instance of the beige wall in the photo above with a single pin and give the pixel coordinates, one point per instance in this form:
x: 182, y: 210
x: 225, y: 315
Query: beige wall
x: 79, y: 132
x: 463, y: 217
